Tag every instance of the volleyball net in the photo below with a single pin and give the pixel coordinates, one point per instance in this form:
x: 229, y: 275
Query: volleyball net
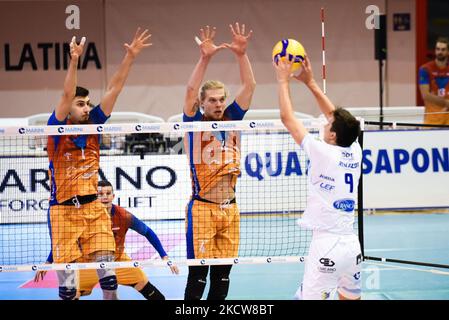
x: 149, y: 169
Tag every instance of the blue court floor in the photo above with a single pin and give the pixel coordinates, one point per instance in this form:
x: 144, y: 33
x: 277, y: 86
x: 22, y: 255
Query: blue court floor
x: 417, y: 237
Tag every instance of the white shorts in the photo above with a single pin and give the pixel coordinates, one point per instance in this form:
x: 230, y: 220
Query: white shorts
x: 334, y: 263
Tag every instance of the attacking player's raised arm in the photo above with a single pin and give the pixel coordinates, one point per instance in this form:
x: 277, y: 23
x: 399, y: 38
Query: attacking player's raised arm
x: 117, y: 81
x: 238, y: 46
x: 306, y: 76
x: 63, y: 108
x: 207, y: 49
x: 293, y: 125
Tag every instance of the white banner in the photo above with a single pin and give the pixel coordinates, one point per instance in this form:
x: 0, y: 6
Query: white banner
x: 406, y: 169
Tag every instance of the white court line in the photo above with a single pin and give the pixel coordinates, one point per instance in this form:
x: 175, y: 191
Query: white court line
x: 397, y: 268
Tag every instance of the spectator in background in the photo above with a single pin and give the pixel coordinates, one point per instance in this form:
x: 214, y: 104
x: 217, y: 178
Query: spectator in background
x: 434, y: 85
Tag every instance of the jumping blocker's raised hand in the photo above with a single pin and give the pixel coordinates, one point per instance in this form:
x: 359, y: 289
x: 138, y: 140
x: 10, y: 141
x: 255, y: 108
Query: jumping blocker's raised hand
x: 206, y: 42
x: 239, y: 39
x: 77, y: 49
x: 138, y: 43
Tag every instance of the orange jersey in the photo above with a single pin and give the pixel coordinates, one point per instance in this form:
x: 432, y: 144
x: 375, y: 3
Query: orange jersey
x: 121, y: 222
x: 438, y: 80
x: 74, y: 161
x: 213, y: 154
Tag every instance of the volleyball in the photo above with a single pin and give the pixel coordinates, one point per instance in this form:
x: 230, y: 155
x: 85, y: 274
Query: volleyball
x: 289, y: 48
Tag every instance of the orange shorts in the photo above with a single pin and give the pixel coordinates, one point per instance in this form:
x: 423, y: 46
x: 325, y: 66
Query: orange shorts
x: 77, y: 232
x: 125, y: 276
x: 213, y: 230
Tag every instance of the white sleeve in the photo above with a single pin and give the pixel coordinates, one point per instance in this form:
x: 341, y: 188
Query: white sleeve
x: 316, y: 150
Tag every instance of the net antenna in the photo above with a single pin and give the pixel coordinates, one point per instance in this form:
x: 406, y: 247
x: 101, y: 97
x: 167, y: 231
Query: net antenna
x: 323, y: 38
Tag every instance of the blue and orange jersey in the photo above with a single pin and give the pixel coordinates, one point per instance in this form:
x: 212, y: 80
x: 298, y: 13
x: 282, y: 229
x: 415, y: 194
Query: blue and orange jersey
x: 213, y: 154
x: 437, y: 78
x: 122, y: 220
x: 74, y: 160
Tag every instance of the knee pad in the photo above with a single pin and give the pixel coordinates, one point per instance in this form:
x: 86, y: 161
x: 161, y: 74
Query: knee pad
x: 150, y: 292
x: 108, y: 283
x: 66, y: 293
x: 108, y: 280
x: 196, y: 282
x: 219, y: 282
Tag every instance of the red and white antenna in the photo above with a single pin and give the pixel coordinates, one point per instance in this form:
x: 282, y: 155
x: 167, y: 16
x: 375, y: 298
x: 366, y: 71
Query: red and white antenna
x: 323, y: 50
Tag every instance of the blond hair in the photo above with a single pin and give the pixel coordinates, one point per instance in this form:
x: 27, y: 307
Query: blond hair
x: 210, y: 85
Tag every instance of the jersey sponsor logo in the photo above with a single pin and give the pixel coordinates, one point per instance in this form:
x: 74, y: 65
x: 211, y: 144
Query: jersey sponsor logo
x: 327, y: 187
x: 327, y: 262
x: 349, y: 165
x: 322, y: 176
x: 347, y: 155
x: 346, y: 205
x: 328, y: 266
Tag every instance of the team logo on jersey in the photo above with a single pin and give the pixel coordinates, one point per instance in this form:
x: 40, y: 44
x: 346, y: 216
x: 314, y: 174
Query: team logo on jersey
x: 346, y: 205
